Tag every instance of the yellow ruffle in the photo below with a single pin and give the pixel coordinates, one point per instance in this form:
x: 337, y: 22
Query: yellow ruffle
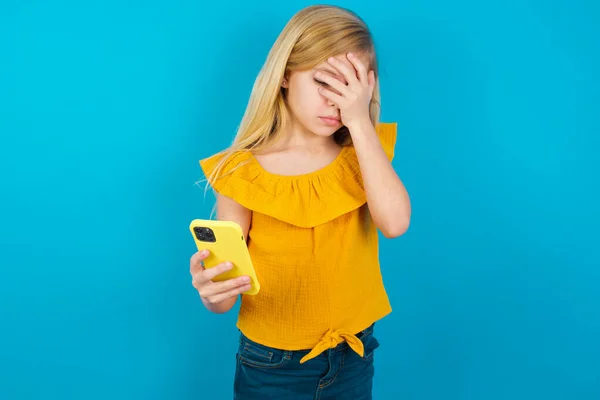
x: 306, y: 200
x: 387, y: 135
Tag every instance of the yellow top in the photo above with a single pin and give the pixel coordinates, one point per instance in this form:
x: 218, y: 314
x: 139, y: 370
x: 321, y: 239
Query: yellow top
x: 314, y: 248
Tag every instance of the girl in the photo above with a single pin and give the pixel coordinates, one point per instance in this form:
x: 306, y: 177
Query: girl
x: 309, y: 179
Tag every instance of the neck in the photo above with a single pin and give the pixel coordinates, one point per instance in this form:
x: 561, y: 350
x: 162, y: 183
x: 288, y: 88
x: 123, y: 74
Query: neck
x: 297, y: 136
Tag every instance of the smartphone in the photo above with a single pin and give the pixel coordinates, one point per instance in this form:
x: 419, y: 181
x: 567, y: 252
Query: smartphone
x: 225, y: 241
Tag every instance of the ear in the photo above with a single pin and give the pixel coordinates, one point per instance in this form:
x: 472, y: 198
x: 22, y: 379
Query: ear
x: 285, y: 82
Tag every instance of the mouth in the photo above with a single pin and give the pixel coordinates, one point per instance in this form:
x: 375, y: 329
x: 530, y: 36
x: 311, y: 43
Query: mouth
x: 330, y: 120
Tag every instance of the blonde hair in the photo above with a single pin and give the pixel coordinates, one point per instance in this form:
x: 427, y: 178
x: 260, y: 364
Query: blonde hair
x: 311, y: 36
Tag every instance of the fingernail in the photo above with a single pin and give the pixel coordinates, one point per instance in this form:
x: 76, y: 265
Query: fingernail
x: 331, y: 59
x: 228, y: 265
x: 246, y: 279
x: 204, y: 253
x: 350, y: 55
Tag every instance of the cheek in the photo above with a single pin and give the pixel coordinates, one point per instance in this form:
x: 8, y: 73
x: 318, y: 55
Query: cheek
x: 306, y: 100
x: 312, y: 98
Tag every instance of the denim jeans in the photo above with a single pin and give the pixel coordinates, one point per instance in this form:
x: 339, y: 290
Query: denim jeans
x: 340, y: 373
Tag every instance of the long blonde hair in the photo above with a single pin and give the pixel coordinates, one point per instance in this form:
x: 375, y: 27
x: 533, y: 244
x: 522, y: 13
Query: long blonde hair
x: 311, y: 36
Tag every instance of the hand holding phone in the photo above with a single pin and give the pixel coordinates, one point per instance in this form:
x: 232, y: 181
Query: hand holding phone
x: 224, y: 241
x: 212, y: 292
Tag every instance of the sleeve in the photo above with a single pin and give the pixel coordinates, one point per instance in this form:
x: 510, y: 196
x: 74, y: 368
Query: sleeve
x: 235, y: 176
x: 387, y: 135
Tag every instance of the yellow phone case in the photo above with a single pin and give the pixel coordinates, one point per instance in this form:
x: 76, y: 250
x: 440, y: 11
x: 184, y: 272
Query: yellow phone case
x: 225, y: 241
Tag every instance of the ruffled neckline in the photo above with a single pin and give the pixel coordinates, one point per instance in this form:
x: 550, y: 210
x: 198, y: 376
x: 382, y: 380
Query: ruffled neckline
x: 308, y: 175
x: 305, y: 200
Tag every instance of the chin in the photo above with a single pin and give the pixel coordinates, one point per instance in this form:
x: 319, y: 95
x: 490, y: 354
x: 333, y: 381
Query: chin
x: 326, y: 131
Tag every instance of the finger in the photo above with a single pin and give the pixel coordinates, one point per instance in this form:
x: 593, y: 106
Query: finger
x: 226, y: 295
x: 196, y: 261
x: 336, y: 98
x: 217, y: 288
x: 332, y: 81
x: 360, y: 68
x: 345, y: 68
x: 211, y: 273
x: 201, y: 278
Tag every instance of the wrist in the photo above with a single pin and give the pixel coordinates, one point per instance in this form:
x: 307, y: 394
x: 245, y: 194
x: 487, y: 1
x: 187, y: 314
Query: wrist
x: 360, y: 127
x: 220, y: 307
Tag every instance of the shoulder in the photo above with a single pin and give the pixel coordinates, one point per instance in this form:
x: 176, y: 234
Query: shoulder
x: 223, y: 162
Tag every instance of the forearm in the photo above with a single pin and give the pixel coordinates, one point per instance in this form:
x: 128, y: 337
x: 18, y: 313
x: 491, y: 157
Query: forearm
x: 387, y: 198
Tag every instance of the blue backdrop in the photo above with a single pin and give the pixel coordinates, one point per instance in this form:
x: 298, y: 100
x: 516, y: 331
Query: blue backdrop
x: 105, y: 109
